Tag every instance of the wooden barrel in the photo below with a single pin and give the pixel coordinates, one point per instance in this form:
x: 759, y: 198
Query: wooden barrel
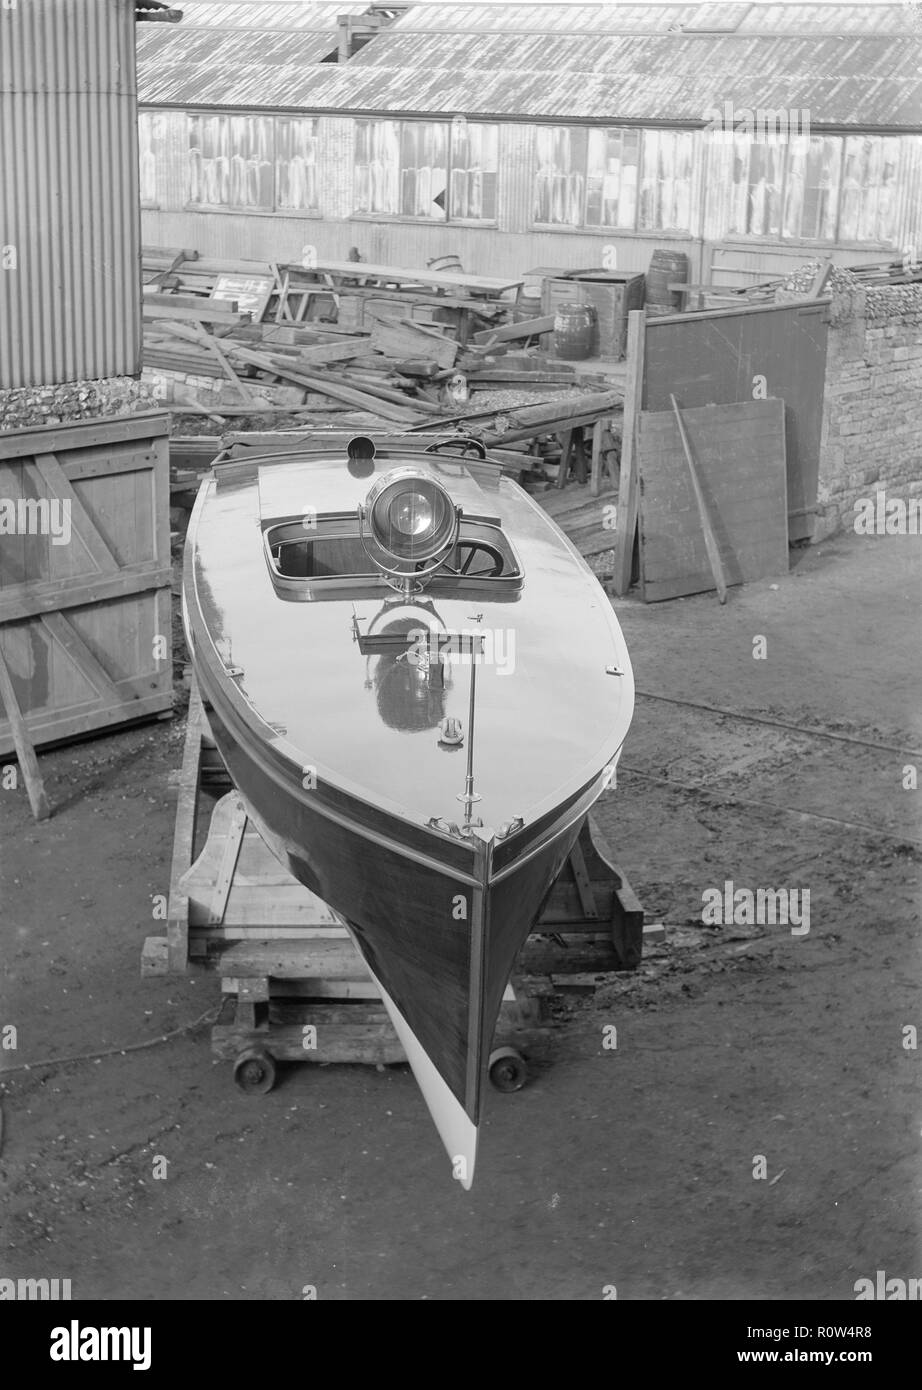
x: 574, y: 331
x: 666, y: 267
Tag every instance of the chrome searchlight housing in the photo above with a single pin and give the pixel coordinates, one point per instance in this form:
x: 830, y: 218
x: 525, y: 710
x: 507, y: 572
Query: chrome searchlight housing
x: 412, y: 523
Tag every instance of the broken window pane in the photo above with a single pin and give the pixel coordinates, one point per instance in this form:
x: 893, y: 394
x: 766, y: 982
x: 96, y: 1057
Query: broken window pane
x: 474, y: 160
x: 401, y: 168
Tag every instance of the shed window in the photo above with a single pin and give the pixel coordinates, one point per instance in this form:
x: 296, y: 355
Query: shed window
x: 869, y: 189
x: 665, y: 182
x: 758, y: 173
x: 426, y: 169
x: 150, y: 154
x: 618, y: 177
x: 473, y: 171
x: 296, y: 144
x: 231, y: 161
x: 611, y: 181
x: 812, y: 187
x: 255, y: 163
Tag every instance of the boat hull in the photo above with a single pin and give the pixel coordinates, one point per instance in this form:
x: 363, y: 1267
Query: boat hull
x: 437, y: 924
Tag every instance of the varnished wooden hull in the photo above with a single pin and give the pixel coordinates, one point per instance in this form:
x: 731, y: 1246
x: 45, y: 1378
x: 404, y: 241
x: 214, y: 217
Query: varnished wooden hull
x: 438, y: 925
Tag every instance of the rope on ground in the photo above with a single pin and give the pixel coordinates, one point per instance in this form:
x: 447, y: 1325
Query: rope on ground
x: 769, y: 805
x: 113, y: 1051
x: 778, y: 724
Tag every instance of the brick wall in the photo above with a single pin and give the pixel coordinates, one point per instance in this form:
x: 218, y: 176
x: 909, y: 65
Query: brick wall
x: 872, y: 416
x: 73, y: 400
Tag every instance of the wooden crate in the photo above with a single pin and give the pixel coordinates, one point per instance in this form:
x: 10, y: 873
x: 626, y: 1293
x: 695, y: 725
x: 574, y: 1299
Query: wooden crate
x: 612, y: 294
x: 79, y: 613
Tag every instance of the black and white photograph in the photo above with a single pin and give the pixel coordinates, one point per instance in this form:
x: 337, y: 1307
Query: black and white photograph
x: 460, y: 668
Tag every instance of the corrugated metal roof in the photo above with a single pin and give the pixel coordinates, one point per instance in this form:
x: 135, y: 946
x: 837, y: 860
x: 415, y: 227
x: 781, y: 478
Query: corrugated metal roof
x: 857, y: 81
x: 563, y: 19
x: 718, y: 16
x: 215, y: 62
x: 281, y: 14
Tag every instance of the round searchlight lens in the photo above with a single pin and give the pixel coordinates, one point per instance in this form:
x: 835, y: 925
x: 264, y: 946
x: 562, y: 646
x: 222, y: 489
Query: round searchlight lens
x: 411, y: 518
x: 411, y: 513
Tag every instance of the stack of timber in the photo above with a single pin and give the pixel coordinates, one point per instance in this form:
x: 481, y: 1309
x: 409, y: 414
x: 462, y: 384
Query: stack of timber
x: 254, y: 347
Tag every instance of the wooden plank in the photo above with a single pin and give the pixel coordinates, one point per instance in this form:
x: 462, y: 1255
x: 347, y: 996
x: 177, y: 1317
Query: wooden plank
x: 511, y: 332
x: 179, y: 313
x: 58, y: 439
x: 334, y: 390
x: 404, y: 338
x: 710, y: 540
x: 740, y: 462
x: 397, y: 275
x: 59, y: 485
x: 25, y: 752
x: 626, y: 526
x: 177, y: 932
x: 28, y: 600
x: 368, y: 1044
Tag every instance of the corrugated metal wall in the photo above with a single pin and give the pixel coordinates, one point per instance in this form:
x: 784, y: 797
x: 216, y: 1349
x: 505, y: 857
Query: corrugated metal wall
x: 70, y: 307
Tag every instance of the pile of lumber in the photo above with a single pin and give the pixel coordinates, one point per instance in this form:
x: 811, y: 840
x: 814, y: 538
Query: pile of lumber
x: 269, y: 355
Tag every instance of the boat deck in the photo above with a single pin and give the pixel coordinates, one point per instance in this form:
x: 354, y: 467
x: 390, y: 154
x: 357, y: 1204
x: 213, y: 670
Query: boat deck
x: 549, y: 715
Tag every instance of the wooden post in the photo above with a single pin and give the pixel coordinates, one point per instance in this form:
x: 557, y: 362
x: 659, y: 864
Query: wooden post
x: 25, y: 752
x: 566, y: 448
x: 627, y: 488
x: 595, y: 477
x: 710, y: 540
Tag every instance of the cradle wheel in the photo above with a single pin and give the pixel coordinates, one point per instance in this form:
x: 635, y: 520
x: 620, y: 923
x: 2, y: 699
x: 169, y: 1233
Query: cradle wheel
x: 254, y: 1072
x: 507, y: 1069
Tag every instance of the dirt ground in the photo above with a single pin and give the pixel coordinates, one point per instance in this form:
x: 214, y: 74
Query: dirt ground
x: 629, y: 1167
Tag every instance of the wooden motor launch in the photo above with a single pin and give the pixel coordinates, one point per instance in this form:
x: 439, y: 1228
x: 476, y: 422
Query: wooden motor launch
x: 419, y: 689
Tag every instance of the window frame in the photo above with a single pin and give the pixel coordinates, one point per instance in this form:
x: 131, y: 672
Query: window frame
x: 421, y: 219
x: 584, y: 227
x: 262, y: 210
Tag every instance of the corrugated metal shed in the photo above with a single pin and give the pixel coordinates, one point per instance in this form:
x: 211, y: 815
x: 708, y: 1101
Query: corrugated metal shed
x: 857, y: 82
x: 70, y: 308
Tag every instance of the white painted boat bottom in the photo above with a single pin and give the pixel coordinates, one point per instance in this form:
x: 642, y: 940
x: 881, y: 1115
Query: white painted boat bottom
x: 457, y: 1132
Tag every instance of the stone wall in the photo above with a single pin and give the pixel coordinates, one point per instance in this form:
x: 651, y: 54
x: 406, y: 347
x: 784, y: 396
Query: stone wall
x: 872, y: 414
x: 73, y: 401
